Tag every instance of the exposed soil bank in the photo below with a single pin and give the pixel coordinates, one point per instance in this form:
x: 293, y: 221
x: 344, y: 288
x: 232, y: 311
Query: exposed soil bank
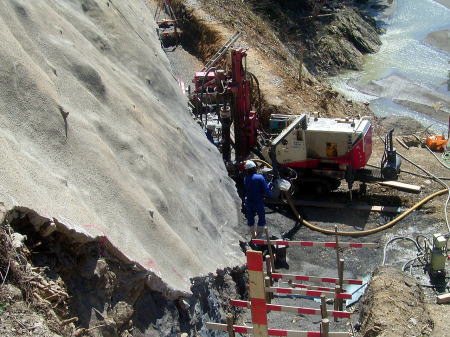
x: 393, y: 305
x: 329, y: 36
x: 284, y: 87
x: 439, y: 40
x: 445, y: 3
x: 88, y: 283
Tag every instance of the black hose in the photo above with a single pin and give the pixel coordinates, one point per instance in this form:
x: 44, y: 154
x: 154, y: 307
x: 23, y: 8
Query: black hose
x: 395, y: 239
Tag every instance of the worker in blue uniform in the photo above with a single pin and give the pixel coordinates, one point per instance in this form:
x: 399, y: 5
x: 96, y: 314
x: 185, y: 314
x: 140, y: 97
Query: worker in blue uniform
x: 256, y: 188
x: 209, y: 133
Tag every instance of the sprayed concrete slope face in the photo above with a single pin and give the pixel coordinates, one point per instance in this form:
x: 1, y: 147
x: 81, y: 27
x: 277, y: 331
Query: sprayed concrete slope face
x: 134, y: 165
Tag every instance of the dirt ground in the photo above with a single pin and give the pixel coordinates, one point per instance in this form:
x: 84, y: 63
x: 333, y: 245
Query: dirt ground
x: 284, y: 88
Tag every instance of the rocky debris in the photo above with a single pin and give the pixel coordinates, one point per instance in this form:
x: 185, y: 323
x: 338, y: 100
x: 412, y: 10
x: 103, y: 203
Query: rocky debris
x: 58, y: 286
x: 17, y: 319
x: 328, y: 36
x: 393, y: 305
x: 28, y: 300
x: 402, y: 125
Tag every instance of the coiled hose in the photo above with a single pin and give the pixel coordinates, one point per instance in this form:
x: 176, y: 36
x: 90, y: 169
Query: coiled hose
x: 352, y: 233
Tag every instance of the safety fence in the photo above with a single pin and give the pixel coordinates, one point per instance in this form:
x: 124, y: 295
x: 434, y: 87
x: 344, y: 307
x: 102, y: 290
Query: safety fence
x: 261, y: 292
x: 315, y: 244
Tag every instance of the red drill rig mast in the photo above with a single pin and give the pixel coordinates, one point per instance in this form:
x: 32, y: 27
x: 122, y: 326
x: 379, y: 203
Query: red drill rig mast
x: 230, y: 95
x: 245, y: 119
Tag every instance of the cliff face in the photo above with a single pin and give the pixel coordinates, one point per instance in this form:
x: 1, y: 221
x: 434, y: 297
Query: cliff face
x: 342, y: 42
x: 95, y: 136
x: 330, y: 36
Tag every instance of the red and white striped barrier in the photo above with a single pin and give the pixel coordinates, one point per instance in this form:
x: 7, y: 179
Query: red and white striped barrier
x: 275, y: 332
x: 296, y: 310
x: 314, y: 244
x: 305, y: 286
x: 314, y: 279
x: 168, y: 33
x: 312, y: 293
x: 259, y: 306
x: 257, y: 292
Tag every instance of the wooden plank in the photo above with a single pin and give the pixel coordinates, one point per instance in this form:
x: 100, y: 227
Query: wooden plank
x: 401, y: 186
x: 402, y: 143
x: 312, y: 293
x: 269, y: 246
x: 444, y: 298
x: 314, y: 278
x: 358, y: 206
x: 230, y: 325
x: 307, y: 286
x: 216, y: 326
x: 325, y: 328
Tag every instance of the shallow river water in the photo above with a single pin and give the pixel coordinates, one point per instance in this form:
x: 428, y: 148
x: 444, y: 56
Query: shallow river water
x: 405, y: 68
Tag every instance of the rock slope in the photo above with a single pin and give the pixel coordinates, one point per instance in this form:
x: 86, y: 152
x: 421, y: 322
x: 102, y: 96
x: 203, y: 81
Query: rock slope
x: 95, y: 135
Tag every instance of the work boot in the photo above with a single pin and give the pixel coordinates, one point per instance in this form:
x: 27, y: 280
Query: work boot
x: 252, y: 232
x: 260, y: 232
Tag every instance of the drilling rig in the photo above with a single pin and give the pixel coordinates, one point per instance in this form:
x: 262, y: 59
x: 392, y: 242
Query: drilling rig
x: 300, y: 148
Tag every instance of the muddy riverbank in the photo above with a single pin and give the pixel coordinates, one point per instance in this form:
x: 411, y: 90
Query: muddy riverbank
x: 439, y: 40
x: 407, y: 77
